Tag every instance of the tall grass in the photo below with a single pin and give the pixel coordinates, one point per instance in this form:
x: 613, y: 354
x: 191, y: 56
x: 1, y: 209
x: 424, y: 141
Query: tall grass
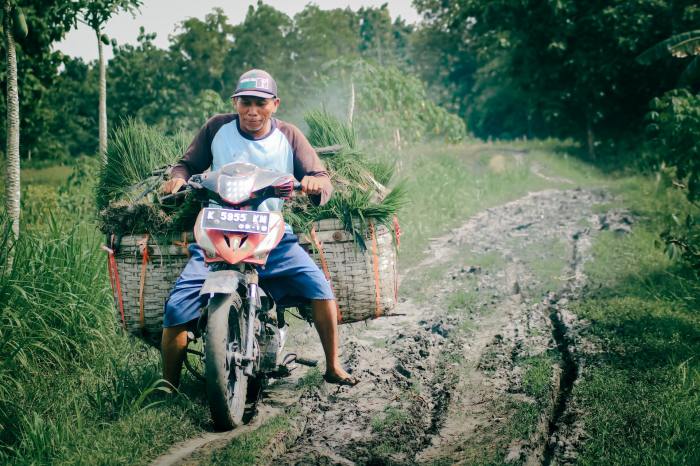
x: 72, y: 386
x: 55, y: 313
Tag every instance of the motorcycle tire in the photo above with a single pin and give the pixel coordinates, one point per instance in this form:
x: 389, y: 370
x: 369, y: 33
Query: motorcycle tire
x: 226, y: 383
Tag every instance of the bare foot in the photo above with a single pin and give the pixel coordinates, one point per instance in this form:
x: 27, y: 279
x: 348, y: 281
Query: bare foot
x: 337, y: 375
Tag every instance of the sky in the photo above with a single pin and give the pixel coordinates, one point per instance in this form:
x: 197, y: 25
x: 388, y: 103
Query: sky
x: 161, y: 17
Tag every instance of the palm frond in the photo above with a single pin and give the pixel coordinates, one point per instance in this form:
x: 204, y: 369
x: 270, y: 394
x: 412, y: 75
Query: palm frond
x: 679, y: 45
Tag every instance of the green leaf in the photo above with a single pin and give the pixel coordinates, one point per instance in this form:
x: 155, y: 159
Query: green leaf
x: 679, y: 45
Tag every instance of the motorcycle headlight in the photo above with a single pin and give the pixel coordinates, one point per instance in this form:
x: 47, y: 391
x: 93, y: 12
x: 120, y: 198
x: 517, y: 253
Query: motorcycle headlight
x: 235, y: 189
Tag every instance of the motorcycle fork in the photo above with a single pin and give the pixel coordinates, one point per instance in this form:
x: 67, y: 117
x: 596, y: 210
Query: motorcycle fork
x: 253, y: 298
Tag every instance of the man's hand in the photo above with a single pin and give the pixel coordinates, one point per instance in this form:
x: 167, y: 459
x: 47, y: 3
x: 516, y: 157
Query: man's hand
x: 313, y: 185
x: 172, y: 185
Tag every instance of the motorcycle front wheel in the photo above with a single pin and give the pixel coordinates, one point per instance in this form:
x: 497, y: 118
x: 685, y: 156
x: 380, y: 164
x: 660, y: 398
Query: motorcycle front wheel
x: 226, y: 383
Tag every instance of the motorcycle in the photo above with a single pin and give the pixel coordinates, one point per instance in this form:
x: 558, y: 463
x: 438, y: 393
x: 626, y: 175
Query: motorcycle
x: 243, y: 330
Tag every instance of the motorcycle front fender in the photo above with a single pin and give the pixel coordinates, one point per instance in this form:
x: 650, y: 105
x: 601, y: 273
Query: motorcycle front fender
x: 222, y: 282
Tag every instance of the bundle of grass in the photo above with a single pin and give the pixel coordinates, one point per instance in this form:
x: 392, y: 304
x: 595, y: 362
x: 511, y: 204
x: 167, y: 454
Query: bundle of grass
x: 136, y: 165
x: 360, y: 185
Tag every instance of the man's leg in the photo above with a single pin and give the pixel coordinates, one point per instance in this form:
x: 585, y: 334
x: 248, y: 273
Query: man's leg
x: 173, y: 347
x: 326, y: 321
x: 183, y: 307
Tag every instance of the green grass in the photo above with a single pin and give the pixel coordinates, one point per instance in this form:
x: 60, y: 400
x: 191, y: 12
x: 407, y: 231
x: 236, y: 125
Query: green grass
x: 51, y: 176
x: 641, y: 394
x: 546, y: 260
x: 252, y: 447
x: 537, y: 378
x: 447, y: 184
x: 73, y: 388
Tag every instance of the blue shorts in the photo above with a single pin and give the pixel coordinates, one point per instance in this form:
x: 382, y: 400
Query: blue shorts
x: 289, y: 275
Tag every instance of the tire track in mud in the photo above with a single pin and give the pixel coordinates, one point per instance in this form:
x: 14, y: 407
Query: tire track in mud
x: 432, y: 376
x: 427, y: 382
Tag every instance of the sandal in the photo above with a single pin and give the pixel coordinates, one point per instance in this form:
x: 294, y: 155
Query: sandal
x: 334, y: 379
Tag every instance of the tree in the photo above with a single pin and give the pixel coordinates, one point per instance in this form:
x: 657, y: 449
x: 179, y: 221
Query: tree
x: 13, y: 19
x: 48, y: 21
x: 275, y: 53
x: 148, y: 82
x: 567, y: 67
x: 202, y: 49
x: 376, y: 34
x: 96, y: 13
x: 68, y: 130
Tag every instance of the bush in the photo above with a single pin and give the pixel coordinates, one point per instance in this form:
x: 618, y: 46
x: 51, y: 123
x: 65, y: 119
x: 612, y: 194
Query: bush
x: 674, y: 126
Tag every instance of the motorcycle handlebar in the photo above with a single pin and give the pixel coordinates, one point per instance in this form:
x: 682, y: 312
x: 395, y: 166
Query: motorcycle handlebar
x: 191, y: 184
x: 176, y: 195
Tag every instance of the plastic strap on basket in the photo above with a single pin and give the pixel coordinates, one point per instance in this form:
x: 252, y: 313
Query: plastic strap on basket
x: 324, y: 266
x: 143, y: 246
x: 114, y: 281
x: 183, y: 243
x: 397, y: 231
x: 375, y: 266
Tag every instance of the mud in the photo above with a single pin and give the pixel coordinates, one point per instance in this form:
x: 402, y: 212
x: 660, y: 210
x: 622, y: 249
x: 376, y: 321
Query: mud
x: 439, y: 381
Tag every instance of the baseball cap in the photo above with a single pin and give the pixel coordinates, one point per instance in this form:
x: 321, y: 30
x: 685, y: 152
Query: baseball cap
x: 256, y: 83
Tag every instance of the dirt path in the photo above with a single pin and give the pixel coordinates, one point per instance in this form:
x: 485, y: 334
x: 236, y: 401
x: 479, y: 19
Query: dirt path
x: 444, y: 382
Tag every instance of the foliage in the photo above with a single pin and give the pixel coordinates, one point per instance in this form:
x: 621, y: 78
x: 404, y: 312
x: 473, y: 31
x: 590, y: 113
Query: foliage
x: 144, y: 82
x: 390, y: 102
x: 682, y: 241
x: 175, y: 89
x: 136, y: 151
x: 680, y: 46
x: 324, y: 130
x: 674, y: 125
x: 392, y: 107
x: 97, y: 12
x: 564, y: 68
x: 639, y: 396
x: 201, y: 50
x: 37, y: 63
x: 70, y: 384
x: 358, y: 197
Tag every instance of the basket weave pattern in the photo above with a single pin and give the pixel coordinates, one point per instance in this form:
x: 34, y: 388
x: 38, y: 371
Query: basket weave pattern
x: 364, y: 282
x: 147, y: 286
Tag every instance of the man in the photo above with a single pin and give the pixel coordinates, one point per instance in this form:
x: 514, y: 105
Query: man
x: 253, y: 135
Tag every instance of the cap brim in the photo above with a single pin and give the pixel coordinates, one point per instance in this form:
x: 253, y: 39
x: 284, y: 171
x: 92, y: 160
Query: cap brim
x: 261, y: 94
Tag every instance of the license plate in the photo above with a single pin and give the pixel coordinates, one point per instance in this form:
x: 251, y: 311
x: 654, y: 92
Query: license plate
x: 244, y: 221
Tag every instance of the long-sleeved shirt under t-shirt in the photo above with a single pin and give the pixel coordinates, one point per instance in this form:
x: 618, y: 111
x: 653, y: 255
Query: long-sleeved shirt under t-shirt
x: 284, y: 149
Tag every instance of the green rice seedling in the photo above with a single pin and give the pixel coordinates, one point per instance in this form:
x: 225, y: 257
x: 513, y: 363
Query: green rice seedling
x: 360, y: 195
x: 135, y: 151
x: 326, y: 130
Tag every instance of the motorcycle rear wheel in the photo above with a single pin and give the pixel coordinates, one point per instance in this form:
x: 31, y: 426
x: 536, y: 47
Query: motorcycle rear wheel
x: 226, y: 383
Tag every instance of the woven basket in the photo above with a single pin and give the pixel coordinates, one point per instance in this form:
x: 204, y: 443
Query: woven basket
x: 364, y: 282
x: 142, y: 271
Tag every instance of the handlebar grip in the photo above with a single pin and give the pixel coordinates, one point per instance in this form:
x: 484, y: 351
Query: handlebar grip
x: 173, y: 195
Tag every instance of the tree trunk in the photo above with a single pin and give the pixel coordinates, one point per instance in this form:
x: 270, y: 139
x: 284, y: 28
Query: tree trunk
x: 103, y: 100
x: 351, y: 104
x: 12, y: 188
x: 590, y: 137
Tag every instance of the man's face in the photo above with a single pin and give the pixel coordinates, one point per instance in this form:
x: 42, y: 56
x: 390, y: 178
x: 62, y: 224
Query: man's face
x: 255, y: 113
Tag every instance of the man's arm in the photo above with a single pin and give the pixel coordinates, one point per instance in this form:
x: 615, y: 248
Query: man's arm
x: 308, y: 167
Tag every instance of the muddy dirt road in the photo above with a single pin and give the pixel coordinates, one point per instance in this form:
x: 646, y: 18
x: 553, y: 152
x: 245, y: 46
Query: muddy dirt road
x: 458, y: 378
